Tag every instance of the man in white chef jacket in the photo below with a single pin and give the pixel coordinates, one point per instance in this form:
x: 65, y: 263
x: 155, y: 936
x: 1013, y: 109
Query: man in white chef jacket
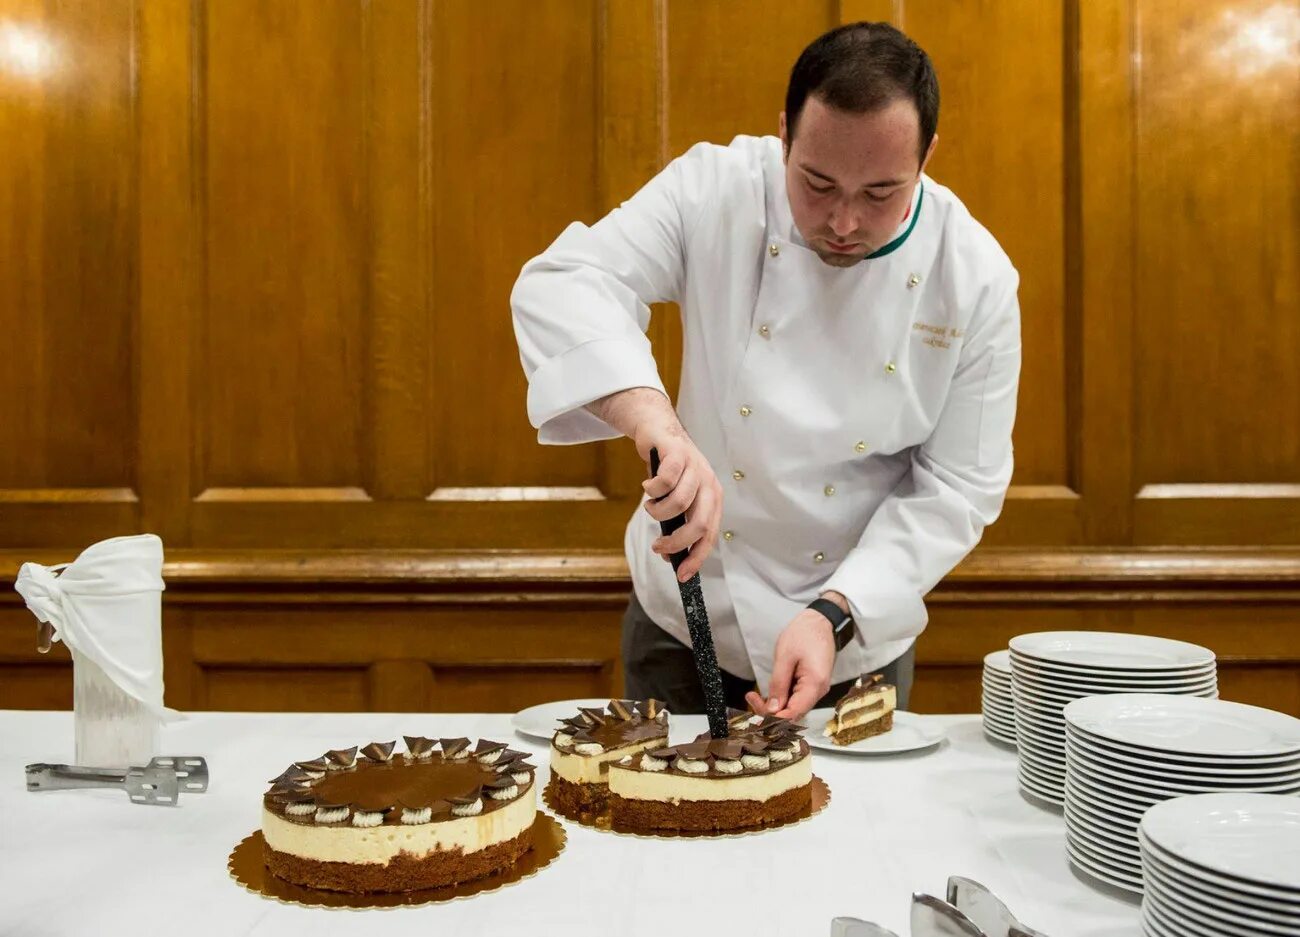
x: 851, y: 358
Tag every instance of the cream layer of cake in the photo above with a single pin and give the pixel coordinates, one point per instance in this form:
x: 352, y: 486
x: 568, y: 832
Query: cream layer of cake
x: 591, y: 769
x: 379, y: 844
x: 870, y: 707
x: 634, y: 784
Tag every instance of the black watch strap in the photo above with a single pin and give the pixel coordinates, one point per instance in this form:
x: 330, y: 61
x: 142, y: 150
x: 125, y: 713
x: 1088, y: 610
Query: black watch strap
x: 841, y: 621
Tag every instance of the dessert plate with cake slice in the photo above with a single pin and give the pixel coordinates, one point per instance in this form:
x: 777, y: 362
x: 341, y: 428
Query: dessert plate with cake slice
x: 866, y: 721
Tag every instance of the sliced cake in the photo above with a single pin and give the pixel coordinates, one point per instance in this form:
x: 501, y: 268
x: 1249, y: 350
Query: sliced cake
x: 760, y: 774
x: 866, y: 710
x: 586, y: 744
x: 440, y: 813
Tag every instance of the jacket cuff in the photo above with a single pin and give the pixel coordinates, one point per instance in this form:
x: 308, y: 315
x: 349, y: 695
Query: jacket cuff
x: 561, y: 388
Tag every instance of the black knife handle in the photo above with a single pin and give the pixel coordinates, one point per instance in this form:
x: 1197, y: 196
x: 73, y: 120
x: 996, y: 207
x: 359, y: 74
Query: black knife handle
x: 673, y: 523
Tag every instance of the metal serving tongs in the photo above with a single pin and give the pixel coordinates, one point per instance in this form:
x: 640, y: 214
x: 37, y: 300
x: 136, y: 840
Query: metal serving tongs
x: 986, y: 909
x: 157, y: 784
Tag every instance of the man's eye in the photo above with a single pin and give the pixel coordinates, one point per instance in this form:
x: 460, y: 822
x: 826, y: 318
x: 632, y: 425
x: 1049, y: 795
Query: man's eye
x: 820, y: 189
x: 880, y: 198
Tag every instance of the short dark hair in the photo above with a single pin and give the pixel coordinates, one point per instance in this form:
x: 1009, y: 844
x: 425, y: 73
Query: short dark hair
x: 861, y: 67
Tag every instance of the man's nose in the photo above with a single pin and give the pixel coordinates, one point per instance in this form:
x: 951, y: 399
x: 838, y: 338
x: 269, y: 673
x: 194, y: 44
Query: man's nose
x: 843, y: 223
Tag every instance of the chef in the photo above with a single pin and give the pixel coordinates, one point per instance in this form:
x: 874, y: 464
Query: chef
x: 842, y: 434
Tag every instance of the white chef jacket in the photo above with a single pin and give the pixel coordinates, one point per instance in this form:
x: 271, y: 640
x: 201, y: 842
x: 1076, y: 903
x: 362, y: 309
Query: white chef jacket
x: 859, y: 419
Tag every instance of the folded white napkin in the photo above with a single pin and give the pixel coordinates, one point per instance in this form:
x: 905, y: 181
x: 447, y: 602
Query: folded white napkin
x: 106, y: 605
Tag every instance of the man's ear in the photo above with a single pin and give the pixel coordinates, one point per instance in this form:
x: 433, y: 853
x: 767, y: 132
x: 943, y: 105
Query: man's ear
x: 785, y: 144
x: 929, y: 151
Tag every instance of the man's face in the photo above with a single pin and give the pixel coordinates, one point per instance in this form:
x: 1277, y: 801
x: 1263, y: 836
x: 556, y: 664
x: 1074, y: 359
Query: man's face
x: 850, y: 177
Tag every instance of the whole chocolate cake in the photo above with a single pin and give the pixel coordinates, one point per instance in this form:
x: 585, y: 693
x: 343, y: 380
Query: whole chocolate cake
x: 585, y: 745
x: 440, y: 813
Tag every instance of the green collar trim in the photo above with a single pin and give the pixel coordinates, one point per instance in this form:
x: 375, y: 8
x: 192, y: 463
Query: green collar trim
x: 897, y: 242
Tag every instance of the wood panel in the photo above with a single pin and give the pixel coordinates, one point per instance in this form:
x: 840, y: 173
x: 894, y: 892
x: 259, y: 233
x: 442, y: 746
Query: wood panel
x: 1218, y: 460
x: 67, y: 267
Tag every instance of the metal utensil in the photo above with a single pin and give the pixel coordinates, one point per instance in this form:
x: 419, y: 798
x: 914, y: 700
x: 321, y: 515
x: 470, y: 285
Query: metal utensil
x: 697, y: 622
x: 157, y: 784
x: 856, y: 927
x: 933, y: 917
x: 986, y: 909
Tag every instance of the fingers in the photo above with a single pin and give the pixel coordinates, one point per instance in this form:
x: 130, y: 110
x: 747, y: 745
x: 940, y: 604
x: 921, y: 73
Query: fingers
x: 755, y: 703
x: 782, y: 672
x: 679, y: 500
x: 699, y: 534
x: 807, y: 692
x: 671, y: 466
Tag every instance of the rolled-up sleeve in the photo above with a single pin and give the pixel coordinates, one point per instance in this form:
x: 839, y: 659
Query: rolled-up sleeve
x: 956, y: 486
x: 582, y: 307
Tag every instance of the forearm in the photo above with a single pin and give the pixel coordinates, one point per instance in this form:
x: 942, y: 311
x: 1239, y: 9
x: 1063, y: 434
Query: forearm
x: 633, y: 412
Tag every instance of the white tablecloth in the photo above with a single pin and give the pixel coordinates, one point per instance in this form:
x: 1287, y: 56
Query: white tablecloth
x: 91, y: 862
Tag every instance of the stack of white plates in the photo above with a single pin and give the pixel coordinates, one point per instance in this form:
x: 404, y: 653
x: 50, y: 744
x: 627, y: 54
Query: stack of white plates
x: 1222, y: 865
x: 1127, y: 753
x: 996, y: 703
x: 1052, y: 668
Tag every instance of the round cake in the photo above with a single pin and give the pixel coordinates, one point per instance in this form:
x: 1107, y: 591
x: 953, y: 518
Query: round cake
x: 761, y: 773
x: 585, y: 745
x: 377, y: 821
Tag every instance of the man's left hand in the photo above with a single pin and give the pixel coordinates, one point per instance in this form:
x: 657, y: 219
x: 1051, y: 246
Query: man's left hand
x: 801, y: 669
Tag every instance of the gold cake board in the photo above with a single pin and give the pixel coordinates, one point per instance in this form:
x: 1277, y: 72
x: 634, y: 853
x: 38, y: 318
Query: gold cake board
x: 247, y: 866
x: 820, y: 797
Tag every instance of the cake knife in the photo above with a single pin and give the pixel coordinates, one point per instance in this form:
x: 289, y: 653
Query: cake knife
x: 697, y: 622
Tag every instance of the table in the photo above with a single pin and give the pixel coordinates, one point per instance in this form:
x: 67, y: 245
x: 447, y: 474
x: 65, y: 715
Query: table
x: 91, y: 862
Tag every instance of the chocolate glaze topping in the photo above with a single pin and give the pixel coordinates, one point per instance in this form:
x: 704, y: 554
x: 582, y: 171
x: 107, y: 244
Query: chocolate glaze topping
x: 768, y: 735
x: 380, y: 783
x: 626, y: 723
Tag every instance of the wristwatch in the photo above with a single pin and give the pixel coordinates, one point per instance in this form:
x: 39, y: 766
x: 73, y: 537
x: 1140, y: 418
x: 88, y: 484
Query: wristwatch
x: 841, y: 621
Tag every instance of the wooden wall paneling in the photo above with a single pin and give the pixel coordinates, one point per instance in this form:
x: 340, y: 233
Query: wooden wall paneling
x: 1100, y: 191
x: 1218, y: 391
x: 29, y: 680
x: 171, y: 263
x: 632, y: 148
x: 1002, y: 150
x: 68, y: 273
x: 400, y: 139
x: 515, y: 161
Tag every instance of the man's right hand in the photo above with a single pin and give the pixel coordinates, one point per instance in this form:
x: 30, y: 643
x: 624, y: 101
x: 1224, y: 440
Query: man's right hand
x: 685, y: 483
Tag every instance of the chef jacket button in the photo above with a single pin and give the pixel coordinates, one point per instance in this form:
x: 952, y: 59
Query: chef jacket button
x: 737, y: 474
x: 890, y: 367
x: 819, y: 557
x: 829, y: 490
x: 773, y: 249
x: 745, y: 411
x: 764, y: 331
x: 913, y: 280
x: 728, y: 535
x: 860, y: 446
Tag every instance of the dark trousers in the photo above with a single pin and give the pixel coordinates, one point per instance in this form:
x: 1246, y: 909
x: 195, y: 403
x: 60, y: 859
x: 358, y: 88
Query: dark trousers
x: 655, y: 664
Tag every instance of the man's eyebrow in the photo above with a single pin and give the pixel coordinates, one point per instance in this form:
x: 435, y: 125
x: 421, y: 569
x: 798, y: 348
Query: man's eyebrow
x: 882, y: 184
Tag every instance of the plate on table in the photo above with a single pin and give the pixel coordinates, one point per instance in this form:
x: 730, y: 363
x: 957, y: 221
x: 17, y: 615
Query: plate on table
x: 910, y: 733
x: 541, y: 721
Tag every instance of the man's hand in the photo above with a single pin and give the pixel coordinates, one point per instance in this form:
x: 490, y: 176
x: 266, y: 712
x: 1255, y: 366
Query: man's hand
x: 805, y: 655
x: 685, y: 482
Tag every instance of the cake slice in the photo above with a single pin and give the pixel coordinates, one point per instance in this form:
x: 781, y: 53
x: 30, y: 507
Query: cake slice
x: 585, y: 745
x: 866, y: 710
x: 761, y: 773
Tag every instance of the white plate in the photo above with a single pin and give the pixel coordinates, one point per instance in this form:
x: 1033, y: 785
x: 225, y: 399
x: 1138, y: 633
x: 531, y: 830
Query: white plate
x: 1162, y: 876
x: 1186, y: 925
x: 1041, y: 791
x: 541, y: 721
x: 1159, y: 881
x: 1251, y: 836
x: 1283, y: 901
x: 1112, y: 837
x: 999, y: 662
x: 1134, y: 805
x: 1237, y: 770
x: 1036, y: 680
x: 1187, y: 724
x: 1069, y: 672
x: 1118, y: 878
x: 1171, y: 785
x: 1111, y: 650
x: 910, y: 733
x: 1179, y: 762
